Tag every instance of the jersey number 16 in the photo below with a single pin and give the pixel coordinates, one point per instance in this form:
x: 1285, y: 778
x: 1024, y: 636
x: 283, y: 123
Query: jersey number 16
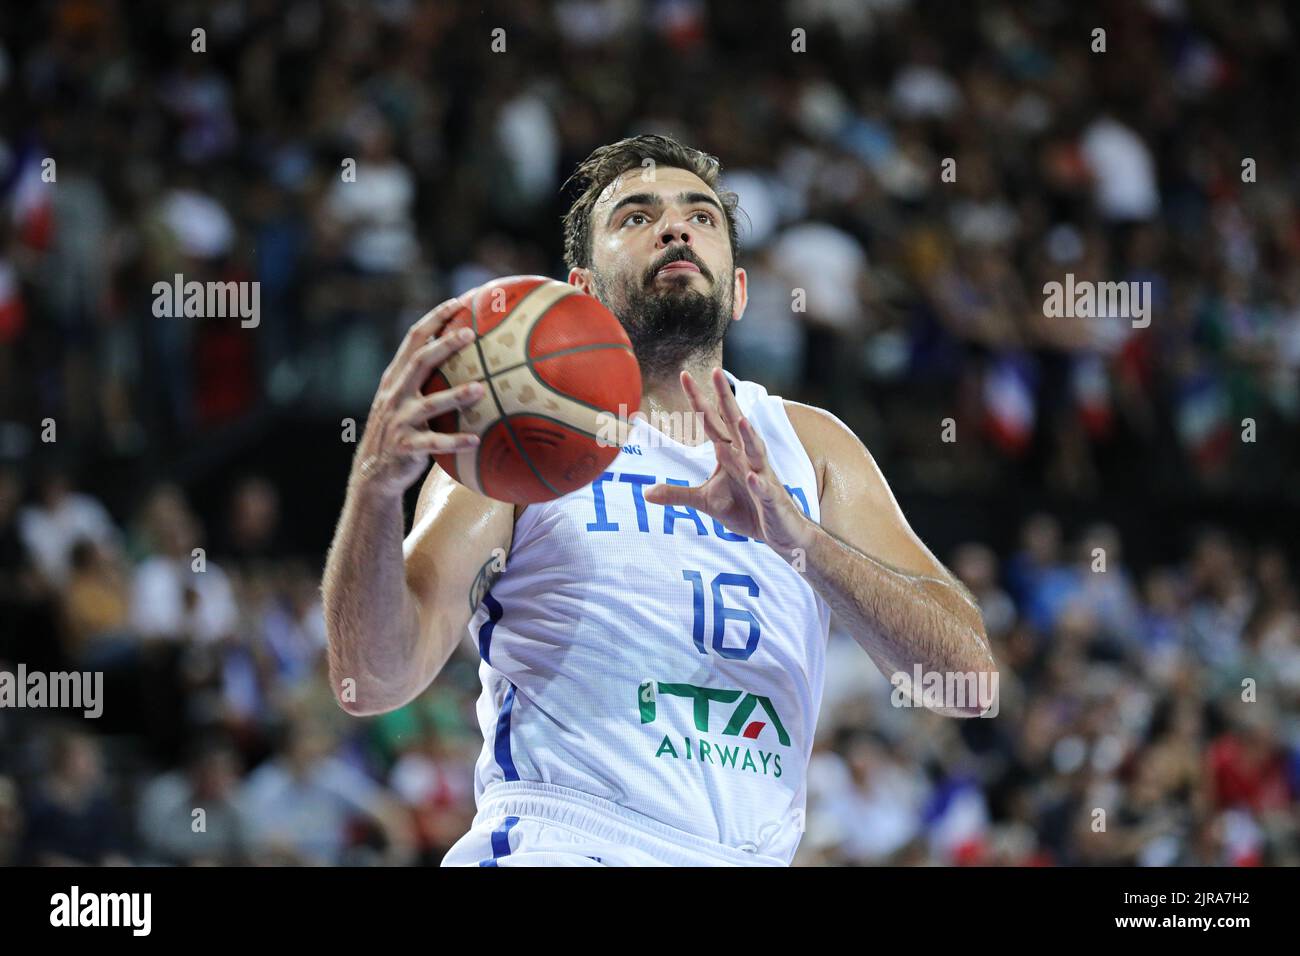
x: 722, y: 614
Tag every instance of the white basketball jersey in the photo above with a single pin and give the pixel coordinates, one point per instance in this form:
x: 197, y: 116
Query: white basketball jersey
x: 648, y: 656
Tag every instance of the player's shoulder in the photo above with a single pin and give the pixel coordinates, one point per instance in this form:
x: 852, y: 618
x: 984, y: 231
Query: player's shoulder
x: 825, y: 438
x: 820, y: 430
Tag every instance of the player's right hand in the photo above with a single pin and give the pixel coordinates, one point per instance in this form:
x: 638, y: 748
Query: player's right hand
x: 397, y: 443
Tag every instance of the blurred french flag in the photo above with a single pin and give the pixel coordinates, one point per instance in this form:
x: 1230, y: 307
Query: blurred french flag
x: 1203, y: 424
x: 1090, y: 385
x: 27, y: 199
x: 1009, y: 405
x: 13, y: 312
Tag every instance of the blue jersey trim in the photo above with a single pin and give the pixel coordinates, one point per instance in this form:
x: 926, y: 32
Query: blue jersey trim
x: 501, y: 747
x: 495, y: 610
x: 501, y: 841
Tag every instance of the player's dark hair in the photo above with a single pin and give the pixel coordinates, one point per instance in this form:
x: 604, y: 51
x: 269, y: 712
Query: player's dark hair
x: 600, y: 169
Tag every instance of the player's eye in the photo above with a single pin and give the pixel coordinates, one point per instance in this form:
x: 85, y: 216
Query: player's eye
x: 707, y: 217
x: 636, y: 215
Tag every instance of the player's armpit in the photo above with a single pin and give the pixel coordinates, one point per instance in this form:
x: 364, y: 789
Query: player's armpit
x: 458, y: 544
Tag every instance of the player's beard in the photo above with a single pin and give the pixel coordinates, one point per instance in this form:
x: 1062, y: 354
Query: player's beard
x: 669, y: 322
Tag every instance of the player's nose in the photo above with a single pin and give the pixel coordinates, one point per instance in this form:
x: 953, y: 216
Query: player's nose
x: 674, y: 231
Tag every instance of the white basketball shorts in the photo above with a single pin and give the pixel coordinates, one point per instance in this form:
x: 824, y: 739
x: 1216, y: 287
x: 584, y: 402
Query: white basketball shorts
x: 535, y: 824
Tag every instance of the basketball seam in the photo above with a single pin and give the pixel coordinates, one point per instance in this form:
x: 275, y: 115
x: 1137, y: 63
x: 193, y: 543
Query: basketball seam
x: 528, y: 341
x: 559, y: 421
x: 524, y: 299
x: 563, y: 424
x: 501, y: 412
x: 596, y: 346
x: 529, y: 359
x: 547, y: 385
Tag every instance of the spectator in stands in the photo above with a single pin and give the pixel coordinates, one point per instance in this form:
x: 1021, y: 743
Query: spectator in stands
x: 95, y: 608
x: 191, y: 816
x: 58, y: 520
x: 71, y: 817
x: 302, y: 805
x: 178, y: 593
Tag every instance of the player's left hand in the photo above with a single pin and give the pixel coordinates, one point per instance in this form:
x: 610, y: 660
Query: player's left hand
x: 743, y: 492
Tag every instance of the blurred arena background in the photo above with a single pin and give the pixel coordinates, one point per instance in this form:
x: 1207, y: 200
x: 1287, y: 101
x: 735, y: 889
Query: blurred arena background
x: 1120, y: 690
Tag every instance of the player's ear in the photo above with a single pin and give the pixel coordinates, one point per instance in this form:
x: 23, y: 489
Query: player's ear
x: 582, y: 279
x: 739, y: 295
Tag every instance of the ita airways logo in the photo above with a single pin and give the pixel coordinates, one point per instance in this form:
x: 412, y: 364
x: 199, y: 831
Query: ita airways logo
x: 743, y: 717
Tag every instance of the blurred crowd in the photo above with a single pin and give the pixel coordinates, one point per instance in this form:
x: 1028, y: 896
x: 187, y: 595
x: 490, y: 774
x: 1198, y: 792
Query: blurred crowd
x: 917, y: 171
x: 1145, y: 719
x: 215, y: 698
x: 911, y: 179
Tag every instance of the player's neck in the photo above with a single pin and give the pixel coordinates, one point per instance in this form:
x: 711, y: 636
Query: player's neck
x: 665, y: 404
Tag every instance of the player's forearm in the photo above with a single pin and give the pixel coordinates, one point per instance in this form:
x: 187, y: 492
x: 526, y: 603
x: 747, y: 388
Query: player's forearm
x: 902, y: 620
x: 371, y: 618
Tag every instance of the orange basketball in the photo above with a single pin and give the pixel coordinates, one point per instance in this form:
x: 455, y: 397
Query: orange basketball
x: 562, y: 382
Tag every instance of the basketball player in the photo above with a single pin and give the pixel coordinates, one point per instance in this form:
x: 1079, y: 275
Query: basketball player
x: 652, y: 651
